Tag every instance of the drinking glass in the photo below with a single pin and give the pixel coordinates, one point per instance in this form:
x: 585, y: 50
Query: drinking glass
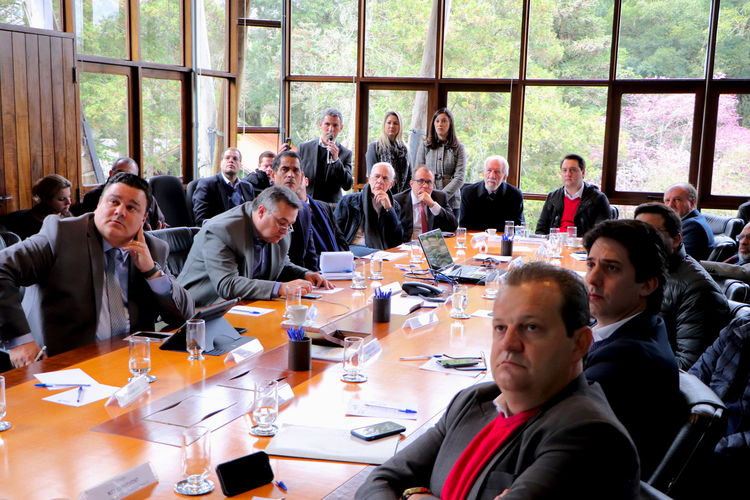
x: 359, y: 276
x: 196, y: 462
x: 196, y: 339
x: 510, y: 229
x: 353, y: 360
x: 265, y: 408
x: 416, y: 252
x: 570, y: 241
x: 460, y: 302
x: 520, y: 231
x: 4, y: 426
x: 376, y: 268
x: 492, y: 284
x: 460, y: 237
x: 293, y: 298
x: 139, y: 360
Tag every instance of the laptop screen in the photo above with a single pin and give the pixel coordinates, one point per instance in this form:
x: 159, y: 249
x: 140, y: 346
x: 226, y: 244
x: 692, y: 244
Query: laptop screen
x: 435, y: 250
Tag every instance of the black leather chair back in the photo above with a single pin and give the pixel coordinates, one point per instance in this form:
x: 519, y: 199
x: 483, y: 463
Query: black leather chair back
x: 170, y: 193
x: 189, y: 198
x: 695, y: 441
x: 7, y: 239
x: 735, y: 290
x: 614, y: 212
x: 728, y: 226
x: 725, y: 247
x: 180, y: 240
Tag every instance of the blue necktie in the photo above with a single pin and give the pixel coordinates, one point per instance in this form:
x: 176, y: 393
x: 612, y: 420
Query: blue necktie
x: 118, y: 315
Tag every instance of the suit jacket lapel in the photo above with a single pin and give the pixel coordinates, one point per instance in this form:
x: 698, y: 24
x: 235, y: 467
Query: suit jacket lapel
x: 96, y: 261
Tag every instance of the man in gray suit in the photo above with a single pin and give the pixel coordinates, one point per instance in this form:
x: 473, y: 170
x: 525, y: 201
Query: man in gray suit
x: 96, y: 275
x: 553, y: 434
x: 424, y: 208
x: 243, y: 253
x: 325, y: 162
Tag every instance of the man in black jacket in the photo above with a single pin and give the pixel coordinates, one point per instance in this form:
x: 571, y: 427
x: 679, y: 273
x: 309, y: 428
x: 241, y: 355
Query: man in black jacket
x: 370, y: 219
x: 225, y: 190
x: 694, y: 308
x: 490, y: 202
x: 577, y: 203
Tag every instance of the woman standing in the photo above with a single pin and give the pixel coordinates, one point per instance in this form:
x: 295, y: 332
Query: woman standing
x: 445, y: 156
x: 51, y: 195
x: 392, y: 149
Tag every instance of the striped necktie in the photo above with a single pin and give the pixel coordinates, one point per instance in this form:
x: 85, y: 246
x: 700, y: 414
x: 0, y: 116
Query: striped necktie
x: 118, y: 315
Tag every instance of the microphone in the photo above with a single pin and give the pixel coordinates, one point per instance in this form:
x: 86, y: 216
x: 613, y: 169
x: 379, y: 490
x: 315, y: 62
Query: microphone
x: 328, y: 155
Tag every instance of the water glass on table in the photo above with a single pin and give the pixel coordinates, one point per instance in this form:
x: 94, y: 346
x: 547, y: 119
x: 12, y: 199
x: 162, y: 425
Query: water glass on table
x: 492, y: 284
x: 360, y: 275
x: 293, y: 298
x: 376, y: 268
x: 265, y: 408
x: 139, y: 358
x: 4, y: 426
x: 459, y: 302
x: 195, y: 340
x: 196, y: 462
x: 354, y: 348
x: 415, y: 251
x: 460, y: 237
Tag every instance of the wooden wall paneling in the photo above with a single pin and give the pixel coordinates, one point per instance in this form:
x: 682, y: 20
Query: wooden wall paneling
x: 7, y: 125
x: 34, y: 107
x: 45, y: 105
x: 20, y: 91
x: 58, y: 104
x: 72, y: 122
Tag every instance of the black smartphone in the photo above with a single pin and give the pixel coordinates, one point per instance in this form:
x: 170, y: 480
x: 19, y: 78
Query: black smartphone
x: 377, y: 431
x: 311, y: 296
x: 458, y: 362
x: 244, y: 473
x: 152, y: 335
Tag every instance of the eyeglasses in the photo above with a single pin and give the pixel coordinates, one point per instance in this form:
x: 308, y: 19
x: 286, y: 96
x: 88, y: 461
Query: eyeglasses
x: 424, y: 181
x: 285, y: 227
x: 741, y: 237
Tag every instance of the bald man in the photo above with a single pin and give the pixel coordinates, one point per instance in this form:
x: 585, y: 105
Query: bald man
x: 490, y: 202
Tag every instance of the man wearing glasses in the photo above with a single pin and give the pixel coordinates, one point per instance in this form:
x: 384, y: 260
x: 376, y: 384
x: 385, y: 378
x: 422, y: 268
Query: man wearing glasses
x: 243, y: 253
x: 736, y: 267
x: 423, y: 208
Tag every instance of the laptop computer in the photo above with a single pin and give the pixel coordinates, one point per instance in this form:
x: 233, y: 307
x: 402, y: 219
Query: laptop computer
x: 440, y: 261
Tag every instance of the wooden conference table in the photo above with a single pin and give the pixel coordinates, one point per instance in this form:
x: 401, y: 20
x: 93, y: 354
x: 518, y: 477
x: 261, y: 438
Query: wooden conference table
x: 53, y: 451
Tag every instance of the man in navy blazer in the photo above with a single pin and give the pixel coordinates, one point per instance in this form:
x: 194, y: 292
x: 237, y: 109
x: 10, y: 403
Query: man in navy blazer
x: 696, y: 233
x: 225, y: 190
x: 422, y: 201
x: 287, y: 173
x: 490, y: 202
x: 631, y: 357
x: 325, y: 162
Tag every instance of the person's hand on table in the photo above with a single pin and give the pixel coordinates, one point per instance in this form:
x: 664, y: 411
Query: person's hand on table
x: 318, y: 281
x: 286, y: 288
x: 24, y: 354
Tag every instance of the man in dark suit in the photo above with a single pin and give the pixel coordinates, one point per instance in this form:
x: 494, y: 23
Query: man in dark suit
x: 243, y: 253
x: 551, y: 433
x: 696, y: 233
x: 96, y: 275
x: 422, y: 208
x: 217, y: 194
x: 287, y: 173
x: 492, y: 201
x: 262, y: 177
x: 370, y: 219
x: 631, y: 357
x: 154, y: 217
x: 325, y: 162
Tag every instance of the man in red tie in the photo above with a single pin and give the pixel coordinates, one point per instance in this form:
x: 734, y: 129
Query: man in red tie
x: 423, y: 208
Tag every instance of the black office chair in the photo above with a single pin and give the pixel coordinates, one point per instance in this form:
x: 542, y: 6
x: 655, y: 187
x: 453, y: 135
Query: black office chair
x: 648, y: 492
x: 614, y: 212
x: 723, y: 249
x: 738, y: 309
x: 694, y: 443
x: 189, y: 195
x: 725, y: 230
x: 180, y: 240
x: 735, y: 290
x: 170, y: 193
x: 7, y: 239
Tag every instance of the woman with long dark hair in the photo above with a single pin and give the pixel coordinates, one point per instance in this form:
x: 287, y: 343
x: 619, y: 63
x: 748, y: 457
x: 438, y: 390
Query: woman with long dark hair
x: 444, y: 155
x: 390, y: 148
x: 51, y: 195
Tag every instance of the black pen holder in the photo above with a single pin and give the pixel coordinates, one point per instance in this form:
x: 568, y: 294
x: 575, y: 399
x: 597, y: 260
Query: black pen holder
x: 299, y: 355
x: 506, y: 248
x: 381, y: 309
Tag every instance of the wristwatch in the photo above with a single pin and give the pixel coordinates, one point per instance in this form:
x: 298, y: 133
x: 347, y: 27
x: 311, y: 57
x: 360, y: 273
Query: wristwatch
x: 413, y: 491
x: 152, y: 271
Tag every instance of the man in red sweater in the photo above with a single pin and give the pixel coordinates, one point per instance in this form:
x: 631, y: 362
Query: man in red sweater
x: 540, y: 430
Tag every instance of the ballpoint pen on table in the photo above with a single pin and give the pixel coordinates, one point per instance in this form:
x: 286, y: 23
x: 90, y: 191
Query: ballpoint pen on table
x: 281, y: 485
x: 41, y: 353
x: 391, y: 407
x: 62, y: 385
x: 415, y: 358
x: 80, y: 393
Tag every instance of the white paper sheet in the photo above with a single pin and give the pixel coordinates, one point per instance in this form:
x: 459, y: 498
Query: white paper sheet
x: 327, y: 292
x: 433, y: 366
x: 72, y: 376
x: 250, y: 310
x: 88, y: 395
x: 482, y: 313
x: 385, y: 255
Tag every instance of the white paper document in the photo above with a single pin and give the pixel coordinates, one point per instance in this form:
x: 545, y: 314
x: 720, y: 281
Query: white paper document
x: 434, y: 366
x: 381, y: 409
x: 66, y: 377
x: 250, y: 310
x: 382, y: 254
x: 83, y: 395
x: 403, y: 306
x: 482, y: 313
x: 327, y: 292
x: 322, y: 443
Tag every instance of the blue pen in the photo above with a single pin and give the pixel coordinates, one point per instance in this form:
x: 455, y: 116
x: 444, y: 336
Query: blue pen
x: 415, y: 358
x: 397, y: 408
x: 62, y: 385
x: 80, y: 393
x: 281, y: 485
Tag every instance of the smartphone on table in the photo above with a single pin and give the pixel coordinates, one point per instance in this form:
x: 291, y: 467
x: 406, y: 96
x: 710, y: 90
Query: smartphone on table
x: 377, y: 431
